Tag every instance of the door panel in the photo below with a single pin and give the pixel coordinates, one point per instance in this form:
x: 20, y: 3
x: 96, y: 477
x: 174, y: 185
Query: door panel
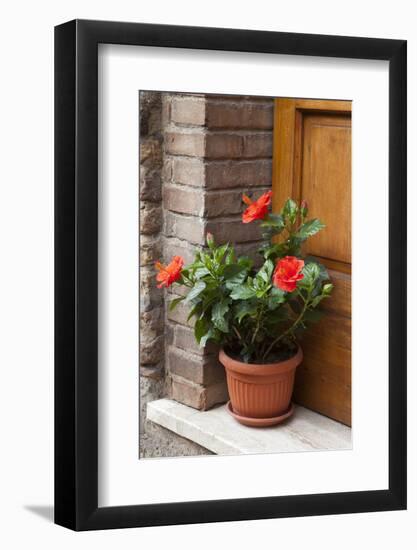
x: 325, y: 183
x: 312, y: 161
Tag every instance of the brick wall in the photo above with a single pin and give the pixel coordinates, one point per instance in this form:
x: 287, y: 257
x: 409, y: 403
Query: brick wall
x: 215, y: 148
x: 198, y: 154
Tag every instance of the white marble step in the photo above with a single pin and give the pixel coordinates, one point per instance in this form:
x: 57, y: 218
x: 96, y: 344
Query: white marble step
x: 219, y: 432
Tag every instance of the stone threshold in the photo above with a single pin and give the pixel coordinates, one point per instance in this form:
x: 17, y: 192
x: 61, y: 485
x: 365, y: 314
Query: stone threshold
x: 220, y: 433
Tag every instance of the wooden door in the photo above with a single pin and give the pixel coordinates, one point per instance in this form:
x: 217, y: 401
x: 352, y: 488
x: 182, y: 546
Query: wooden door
x: 312, y: 161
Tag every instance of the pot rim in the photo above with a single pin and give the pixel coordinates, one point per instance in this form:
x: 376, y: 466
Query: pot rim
x: 262, y: 368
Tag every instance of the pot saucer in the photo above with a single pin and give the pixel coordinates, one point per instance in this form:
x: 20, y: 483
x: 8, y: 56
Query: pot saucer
x: 260, y: 422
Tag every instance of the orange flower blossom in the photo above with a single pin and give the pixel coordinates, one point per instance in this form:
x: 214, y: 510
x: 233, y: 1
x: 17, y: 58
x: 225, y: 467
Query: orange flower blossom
x: 170, y: 273
x: 257, y: 210
x: 287, y: 273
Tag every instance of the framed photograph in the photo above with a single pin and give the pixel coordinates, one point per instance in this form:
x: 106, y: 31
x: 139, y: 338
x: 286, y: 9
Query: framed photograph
x: 230, y: 244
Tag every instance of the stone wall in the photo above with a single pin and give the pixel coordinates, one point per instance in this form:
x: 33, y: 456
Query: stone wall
x: 152, y: 330
x: 198, y: 154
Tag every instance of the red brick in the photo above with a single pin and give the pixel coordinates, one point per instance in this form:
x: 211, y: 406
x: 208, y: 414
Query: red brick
x: 233, y: 231
x: 224, y: 203
x: 257, y: 145
x: 221, y: 145
x: 229, y: 174
x: 242, y: 115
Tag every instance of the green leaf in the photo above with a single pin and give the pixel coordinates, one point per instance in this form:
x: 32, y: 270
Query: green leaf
x: 210, y: 334
x: 217, y: 315
x: 230, y: 257
x: 242, y: 292
x: 266, y: 270
x: 196, y: 310
x: 309, y: 229
x: 235, y: 275
x: 275, y: 251
x: 311, y: 272
x: 200, y: 329
x: 290, y: 210
x: 220, y: 252
x: 276, y: 297
x: 246, y: 262
x: 243, y: 309
x: 272, y: 225
x: 173, y: 303
x: 201, y: 272
x: 232, y: 270
x: 195, y: 291
x: 274, y: 221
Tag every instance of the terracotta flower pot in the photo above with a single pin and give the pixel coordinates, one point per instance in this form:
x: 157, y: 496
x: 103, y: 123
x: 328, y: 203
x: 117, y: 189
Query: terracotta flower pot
x: 260, y: 395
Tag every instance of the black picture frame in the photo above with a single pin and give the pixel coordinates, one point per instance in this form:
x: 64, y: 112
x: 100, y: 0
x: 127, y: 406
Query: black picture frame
x: 76, y: 272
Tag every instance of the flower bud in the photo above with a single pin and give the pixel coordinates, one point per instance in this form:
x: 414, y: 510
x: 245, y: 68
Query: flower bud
x: 327, y: 289
x: 210, y: 240
x: 304, y: 208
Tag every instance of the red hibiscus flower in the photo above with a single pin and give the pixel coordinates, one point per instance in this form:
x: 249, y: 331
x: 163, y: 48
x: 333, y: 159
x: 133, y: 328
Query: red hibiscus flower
x: 257, y: 210
x: 170, y: 273
x: 287, y: 273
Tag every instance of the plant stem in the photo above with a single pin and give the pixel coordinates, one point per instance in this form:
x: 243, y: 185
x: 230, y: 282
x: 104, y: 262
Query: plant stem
x: 290, y: 329
x: 258, y: 325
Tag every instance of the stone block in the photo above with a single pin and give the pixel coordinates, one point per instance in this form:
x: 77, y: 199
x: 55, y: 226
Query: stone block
x: 152, y: 323
x: 151, y: 152
x: 204, y: 370
x: 183, y: 337
x: 150, y: 217
x: 198, y: 396
x: 151, y: 351
x: 188, y: 228
x: 185, y: 143
x: 150, y: 296
x: 179, y: 198
x: 188, y: 110
x: 155, y: 372
x: 177, y: 247
x: 180, y: 313
x: 150, y: 188
x: 150, y: 247
x: 188, y: 171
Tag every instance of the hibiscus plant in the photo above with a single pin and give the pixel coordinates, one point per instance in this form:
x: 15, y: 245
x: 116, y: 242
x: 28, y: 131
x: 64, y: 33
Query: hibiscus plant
x: 256, y: 314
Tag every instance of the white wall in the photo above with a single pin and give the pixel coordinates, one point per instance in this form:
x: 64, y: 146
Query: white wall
x: 26, y: 299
